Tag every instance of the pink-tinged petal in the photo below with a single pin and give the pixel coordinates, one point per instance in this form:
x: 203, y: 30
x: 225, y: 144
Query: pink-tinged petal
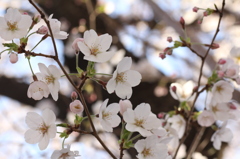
x: 104, y: 56
x: 54, y: 71
x: 32, y: 136
x: 84, y: 49
x: 113, y: 108
x: 133, y: 77
x: 33, y: 120
x: 44, y: 142
x: 106, y: 126
x: 48, y: 116
x: 90, y: 37
x: 25, y: 22
x: 111, y: 85
x: 60, y: 35
x: 227, y: 135
x: 43, y: 69
x: 52, y: 130
x: 105, y: 41
x: 124, y: 91
x: 217, y: 143
x: 142, y: 110
x: 129, y: 116
x: 13, y: 15
x: 124, y: 64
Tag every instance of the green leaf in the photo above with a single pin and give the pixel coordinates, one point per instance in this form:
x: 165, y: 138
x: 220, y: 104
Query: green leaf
x: 63, y: 135
x: 12, y: 46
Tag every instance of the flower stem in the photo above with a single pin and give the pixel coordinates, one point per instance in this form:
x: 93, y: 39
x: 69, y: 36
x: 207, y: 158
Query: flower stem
x: 63, y: 142
x: 31, y: 34
x: 135, y: 137
x: 3, y: 51
x: 36, y: 45
x: 30, y: 66
x: 103, y: 74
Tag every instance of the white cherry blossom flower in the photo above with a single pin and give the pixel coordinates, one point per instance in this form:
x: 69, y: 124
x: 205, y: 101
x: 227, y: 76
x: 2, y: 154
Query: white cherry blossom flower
x: 206, y: 118
x: 76, y: 107
x: 150, y: 148
x: 37, y: 90
x: 50, y: 76
x: 65, y: 153
x: 95, y: 47
x: 55, y: 27
x: 229, y: 69
x: 178, y: 123
x: 219, y: 110
x: 182, y: 92
x: 222, y: 92
x: 124, y: 79
x: 141, y: 119
x: 108, y: 116
x: 14, y: 24
x: 221, y: 135
x: 42, y: 128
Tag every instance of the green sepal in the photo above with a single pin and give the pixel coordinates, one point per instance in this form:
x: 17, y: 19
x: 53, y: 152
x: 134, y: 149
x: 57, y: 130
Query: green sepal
x: 63, y: 135
x: 177, y: 43
x: 24, y: 40
x: 184, y: 106
x: 214, y: 78
x: 63, y: 125
x: 195, y: 115
x: 78, y: 120
x: 12, y: 46
x: 90, y: 69
x: 128, y: 144
x: 171, y: 113
x: 125, y: 134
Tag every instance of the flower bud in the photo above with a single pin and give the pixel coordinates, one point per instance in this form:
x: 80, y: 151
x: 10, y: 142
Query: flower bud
x: 74, y: 44
x: 195, y: 9
x: 232, y: 106
x: 74, y: 96
x: 182, y: 22
x: 76, y: 107
x: 37, y: 18
x: 25, y: 13
x: 213, y: 46
x: 169, y: 39
x: 161, y: 115
x: 42, y: 30
x: 220, y: 74
x: 174, y: 89
x: 124, y: 105
x: 200, y: 21
x: 13, y: 58
x: 205, y: 13
x: 222, y: 61
x: 168, y: 51
x: 162, y: 55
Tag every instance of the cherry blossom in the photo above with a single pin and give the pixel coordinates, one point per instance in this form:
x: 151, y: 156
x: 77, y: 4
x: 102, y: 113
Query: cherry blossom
x: 76, y: 107
x: 37, y: 90
x: 55, y: 27
x: 221, y: 135
x: 13, y: 58
x: 65, y: 153
x: 124, y: 105
x: 124, y: 79
x: 229, y: 69
x: 178, y: 123
x: 219, y: 110
x: 108, y: 116
x: 182, y: 92
x: 95, y: 47
x: 150, y: 148
x: 206, y: 118
x: 50, y: 76
x: 141, y: 119
x: 14, y: 24
x: 42, y: 128
x: 222, y: 91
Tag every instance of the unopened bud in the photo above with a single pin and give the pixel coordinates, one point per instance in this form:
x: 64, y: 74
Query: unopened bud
x: 42, y: 30
x: 75, y: 44
x: 195, y: 9
x: 169, y: 39
x: 220, y: 74
x: 213, y: 46
x: 195, y: 89
x: 13, y: 58
x: 205, y: 13
x: 168, y: 51
x: 74, y: 96
x: 182, y: 22
x: 161, y: 115
x: 124, y: 105
x: 200, y: 21
x: 222, y: 61
x: 76, y: 107
x: 37, y: 18
x: 25, y: 13
x: 174, y: 89
x: 232, y: 106
x: 162, y: 55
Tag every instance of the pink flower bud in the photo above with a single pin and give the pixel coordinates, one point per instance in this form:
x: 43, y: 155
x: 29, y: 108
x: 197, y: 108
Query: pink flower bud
x: 232, y: 106
x: 220, y: 74
x: 76, y: 107
x: 182, y: 22
x: 215, y: 46
x: 174, y: 89
x: 168, y: 51
x: 161, y: 115
x: 74, y: 44
x: 195, y: 9
x: 25, y: 13
x: 200, y: 21
x: 169, y: 39
x: 37, y: 18
x: 205, y: 13
x: 42, y: 30
x: 222, y: 61
x: 124, y: 105
x: 162, y: 55
x: 13, y: 58
x: 74, y: 96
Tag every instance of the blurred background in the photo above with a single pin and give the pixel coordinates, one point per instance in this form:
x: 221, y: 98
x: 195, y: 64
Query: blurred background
x: 140, y: 29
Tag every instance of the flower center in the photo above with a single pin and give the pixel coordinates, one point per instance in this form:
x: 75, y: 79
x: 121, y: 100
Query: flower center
x: 219, y: 89
x: 12, y: 26
x: 139, y: 122
x: 146, y: 152
x: 120, y: 77
x: 94, y: 51
x: 43, y: 128
x: 215, y: 109
x: 106, y: 115
x: 49, y: 79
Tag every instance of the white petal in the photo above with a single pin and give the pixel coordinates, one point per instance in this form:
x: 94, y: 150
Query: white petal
x: 124, y: 64
x: 133, y: 77
x: 113, y: 108
x: 226, y: 135
x: 25, y: 22
x: 54, y: 71
x: 43, y: 69
x: 105, y: 41
x: 13, y: 15
x: 124, y: 91
x: 106, y: 126
x: 52, y: 130
x: 48, y: 116
x: 44, y: 142
x: 32, y: 136
x: 33, y: 120
x: 140, y: 145
x: 104, y: 56
x: 115, y: 121
x: 129, y: 115
x: 56, y: 154
x: 111, y: 85
x: 217, y: 143
x: 90, y: 37
x: 142, y: 110
x: 84, y: 49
